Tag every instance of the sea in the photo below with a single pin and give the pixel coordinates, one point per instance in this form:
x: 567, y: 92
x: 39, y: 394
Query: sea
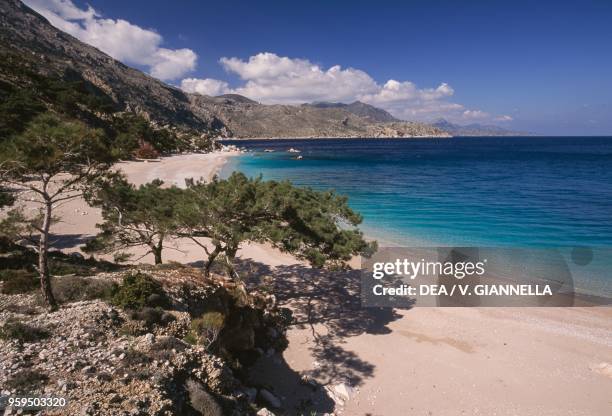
x: 529, y: 192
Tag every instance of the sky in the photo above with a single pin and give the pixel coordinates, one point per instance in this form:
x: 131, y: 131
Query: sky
x: 535, y: 66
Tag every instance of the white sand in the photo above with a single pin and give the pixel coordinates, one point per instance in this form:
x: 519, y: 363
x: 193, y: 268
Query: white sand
x: 425, y: 361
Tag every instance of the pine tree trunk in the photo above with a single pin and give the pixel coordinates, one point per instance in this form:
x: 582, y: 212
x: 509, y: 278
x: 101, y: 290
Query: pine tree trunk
x: 43, y: 259
x: 157, y: 254
x: 230, y: 255
x: 211, y: 260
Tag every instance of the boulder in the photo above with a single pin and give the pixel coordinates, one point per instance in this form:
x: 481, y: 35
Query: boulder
x: 269, y: 398
x: 201, y: 400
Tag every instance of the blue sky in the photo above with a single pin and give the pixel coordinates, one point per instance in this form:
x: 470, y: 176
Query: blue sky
x: 535, y: 66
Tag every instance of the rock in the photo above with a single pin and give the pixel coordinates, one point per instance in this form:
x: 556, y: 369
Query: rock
x: 201, y: 400
x: 344, y: 391
x: 96, y: 363
x: 270, y: 398
x: 149, y: 338
x: 114, y: 398
x: 88, y: 370
x: 251, y: 393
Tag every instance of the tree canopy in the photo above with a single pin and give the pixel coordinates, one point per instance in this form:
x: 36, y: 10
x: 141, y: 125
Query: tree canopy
x: 316, y: 226
x: 52, y: 161
x: 134, y: 216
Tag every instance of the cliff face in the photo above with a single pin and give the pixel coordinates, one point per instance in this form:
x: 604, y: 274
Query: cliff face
x: 26, y: 34
x: 30, y: 39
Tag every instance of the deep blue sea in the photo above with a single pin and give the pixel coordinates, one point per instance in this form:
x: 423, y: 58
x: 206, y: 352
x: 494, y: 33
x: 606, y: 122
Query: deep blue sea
x: 486, y: 191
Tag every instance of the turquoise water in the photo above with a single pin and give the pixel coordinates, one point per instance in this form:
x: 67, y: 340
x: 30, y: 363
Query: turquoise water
x: 510, y: 192
x: 540, y: 192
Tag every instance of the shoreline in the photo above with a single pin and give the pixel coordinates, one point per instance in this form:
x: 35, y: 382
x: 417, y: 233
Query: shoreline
x: 506, y: 354
x: 173, y: 168
x: 331, y: 138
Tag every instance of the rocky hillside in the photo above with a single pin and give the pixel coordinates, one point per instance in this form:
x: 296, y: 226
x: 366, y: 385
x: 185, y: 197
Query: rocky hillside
x: 26, y: 34
x: 119, y: 356
x: 360, y: 109
x: 246, y: 118
x: 28, y: 38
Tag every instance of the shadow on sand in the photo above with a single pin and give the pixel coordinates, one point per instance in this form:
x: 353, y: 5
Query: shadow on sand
x: 328, y: 305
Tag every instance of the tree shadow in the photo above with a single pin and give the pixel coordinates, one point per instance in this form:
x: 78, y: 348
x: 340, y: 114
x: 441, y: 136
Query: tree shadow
x: 328, y: 304
x: 66, y: 241
x: 298, y: 396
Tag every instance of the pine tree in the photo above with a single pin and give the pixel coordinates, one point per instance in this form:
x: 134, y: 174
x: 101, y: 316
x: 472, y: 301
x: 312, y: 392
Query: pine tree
x: 51, y: 162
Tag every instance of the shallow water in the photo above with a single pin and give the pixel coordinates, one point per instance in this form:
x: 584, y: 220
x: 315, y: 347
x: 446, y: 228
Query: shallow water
x: 493, y: 191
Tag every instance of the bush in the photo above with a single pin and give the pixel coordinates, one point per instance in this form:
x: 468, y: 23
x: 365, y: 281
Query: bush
x: 18, y: 281
x: 163, y: 349
x: 74, y: 288
x: 137, y: 291
x: 146, y: 151
x: 151, y: 316
x: 16, y: 330
x: 26, y: 381
x: 205, y: 330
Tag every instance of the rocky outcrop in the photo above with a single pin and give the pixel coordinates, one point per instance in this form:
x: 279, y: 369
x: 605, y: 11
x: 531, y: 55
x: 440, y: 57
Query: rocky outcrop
x: 109, y: 361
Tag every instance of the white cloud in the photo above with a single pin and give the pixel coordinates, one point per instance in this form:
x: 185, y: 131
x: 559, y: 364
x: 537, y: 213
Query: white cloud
x: 205, y: 86
x: 173, y: 63
x: 475, y: 115
x: 119, y: 38
x: 504, y: 118
x: 274, y: 79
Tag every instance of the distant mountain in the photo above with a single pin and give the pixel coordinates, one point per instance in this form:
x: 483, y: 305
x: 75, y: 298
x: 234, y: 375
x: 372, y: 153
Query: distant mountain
x: 360, y: 109
x: 247, y: 118
x: 29, y: 41
x: 475, y: 129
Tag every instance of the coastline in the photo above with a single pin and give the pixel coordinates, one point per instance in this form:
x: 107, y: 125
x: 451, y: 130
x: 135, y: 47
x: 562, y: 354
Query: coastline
x: 504, y: 354
x: 175, y: 169
x: 333, y: 138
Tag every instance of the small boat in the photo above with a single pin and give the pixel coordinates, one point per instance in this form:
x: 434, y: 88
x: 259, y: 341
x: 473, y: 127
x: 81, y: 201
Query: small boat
x: 292, y: 150
x: 300, y: 157
x: 268, y: 150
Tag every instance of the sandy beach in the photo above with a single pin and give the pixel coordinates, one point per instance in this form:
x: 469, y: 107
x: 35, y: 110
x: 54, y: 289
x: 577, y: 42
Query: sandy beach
x: 423, y: 361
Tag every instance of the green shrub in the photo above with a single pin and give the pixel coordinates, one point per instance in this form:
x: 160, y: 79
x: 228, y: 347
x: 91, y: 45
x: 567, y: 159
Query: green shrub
x: 190, y: 338
x: 75, y: 288
x: 17, y: 330
x: 137, y: 291
x: 205, y: 329
x: 18, y: 281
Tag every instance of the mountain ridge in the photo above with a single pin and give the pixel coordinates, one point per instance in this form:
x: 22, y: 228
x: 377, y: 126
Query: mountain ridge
x: 359, y: 108
x: 30, y: 37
